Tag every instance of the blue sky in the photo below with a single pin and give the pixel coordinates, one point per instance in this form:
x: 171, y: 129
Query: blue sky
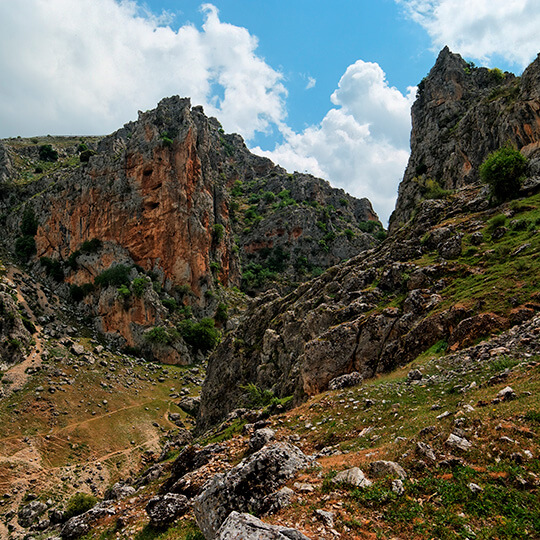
x: 317, y: 86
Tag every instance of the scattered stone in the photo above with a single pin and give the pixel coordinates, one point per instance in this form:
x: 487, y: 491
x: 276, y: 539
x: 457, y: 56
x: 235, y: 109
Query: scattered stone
x: 164, y: 509
x: 276, y: 501
x: 458, y: 442
x: 414, y: 375
x: 260, y: 438
x: 353, y: 477
x: 475, y: 488
x: 239, y: 526
x: 326, y: 517
x: 444, y: 415
x: 345, y: 381
x: 30, y: 514
x: 425, y: 451
x: 506, y: 394
x: 381, y: 469
x: 397, y: 487
x: 79, y: 525
x: 119, y: 491
x: 77, y: 349
x: 302, y: 487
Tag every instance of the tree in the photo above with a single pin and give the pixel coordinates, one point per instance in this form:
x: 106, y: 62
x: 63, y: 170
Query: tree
x: 504, y: 170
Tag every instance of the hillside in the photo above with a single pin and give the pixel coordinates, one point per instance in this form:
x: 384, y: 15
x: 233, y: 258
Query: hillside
x: 212, y: 347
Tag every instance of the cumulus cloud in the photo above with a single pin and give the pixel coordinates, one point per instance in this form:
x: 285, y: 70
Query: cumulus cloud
x: 361, y: 145
x: 88, y: 66
x: 481, y: 29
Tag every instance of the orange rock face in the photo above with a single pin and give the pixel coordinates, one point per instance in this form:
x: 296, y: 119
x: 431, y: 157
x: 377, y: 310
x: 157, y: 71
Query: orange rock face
x: 159, y: 210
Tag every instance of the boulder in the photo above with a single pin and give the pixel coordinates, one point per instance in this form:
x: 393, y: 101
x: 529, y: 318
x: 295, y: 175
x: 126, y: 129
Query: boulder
x: 260, y: 438
x: 28, y: 515
x: 164, y: 509
x: 352, y: 477
x: 119, y: 491
x: 345, y: 381
x: 190, y: 405
x: 77, y: 526
x: 244, y: 487
x: 381, y: 469
x: 247, y: 527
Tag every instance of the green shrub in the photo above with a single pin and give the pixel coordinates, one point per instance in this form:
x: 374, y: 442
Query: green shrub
x: 495, y: 222
x: 269, y: 197
x: 115, y: 275
x: 138, y: 285
x: 166, y: 139
x: 257, y: 397
x: 496, y: 75
x: 79, y: 504
x: 82, y: 147
x: 222, y: 314
x: 91, y: 246
x: 202, y: 336
x: 170, y: 304
x: 29, y: 224
x: 124, y: 292
x: 84, y: 157
x: 349, y: 234
x: 53, y: 268
x: 25, y: 247
x: 28, y: 324
x: 182, y: 290
x: 47, y: 153
x: 237, y: 188
x: 504, y: 170
x: 159, y: 335
x: 219, y: 232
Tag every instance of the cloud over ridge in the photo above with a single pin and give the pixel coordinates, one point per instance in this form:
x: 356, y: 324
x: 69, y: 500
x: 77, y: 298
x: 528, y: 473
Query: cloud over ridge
x: 87, y: 66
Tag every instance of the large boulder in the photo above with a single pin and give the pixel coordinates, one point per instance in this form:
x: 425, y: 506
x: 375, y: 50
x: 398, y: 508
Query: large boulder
x: 77, y: 526
x: 245, y: 486
x: 30, y: 514
x: 247, y: 527
x: 164, y: 509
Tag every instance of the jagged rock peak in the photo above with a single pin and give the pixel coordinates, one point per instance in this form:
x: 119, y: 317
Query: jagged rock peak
x: 461, y: 114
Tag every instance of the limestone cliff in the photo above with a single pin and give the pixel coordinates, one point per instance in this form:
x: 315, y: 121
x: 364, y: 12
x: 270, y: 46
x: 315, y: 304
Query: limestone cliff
x: 444, y: 279
x: 173, y: 199
x: 461, y: 114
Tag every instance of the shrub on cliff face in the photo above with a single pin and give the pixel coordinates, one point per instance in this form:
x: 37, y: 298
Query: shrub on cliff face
x: 79, y: 504
x: 116, y: 275
x: 504, y: 171
x: 47, y: 153
x: 202, y: 336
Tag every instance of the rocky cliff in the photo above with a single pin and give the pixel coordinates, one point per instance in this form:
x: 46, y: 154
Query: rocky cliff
x: 461, y: 114
x: 429, y: 282
x: 176, y: 212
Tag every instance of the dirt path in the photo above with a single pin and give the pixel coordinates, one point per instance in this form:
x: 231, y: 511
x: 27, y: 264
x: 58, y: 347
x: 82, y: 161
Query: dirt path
x: 17, y: 374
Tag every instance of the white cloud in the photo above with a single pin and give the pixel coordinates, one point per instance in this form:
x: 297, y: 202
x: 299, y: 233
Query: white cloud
x: 363, y: 144
x: 88, y: 66
x: 311, y: 83
x: 481, y: 29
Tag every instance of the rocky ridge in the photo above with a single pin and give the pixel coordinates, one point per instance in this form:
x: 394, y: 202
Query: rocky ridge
x: 461, y: 114
x: 178, y: 207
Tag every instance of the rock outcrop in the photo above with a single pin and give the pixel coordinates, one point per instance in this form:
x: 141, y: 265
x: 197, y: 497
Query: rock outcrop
x: 387, y: 305
x: 175, y: 200
x: 243, y: 488
x: 461, y: 114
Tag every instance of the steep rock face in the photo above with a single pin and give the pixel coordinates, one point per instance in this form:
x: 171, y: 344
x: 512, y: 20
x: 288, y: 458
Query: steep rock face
x: 156, y: 199
x: 461, y: 114
x: 161, y: 197
x: 5, y: 164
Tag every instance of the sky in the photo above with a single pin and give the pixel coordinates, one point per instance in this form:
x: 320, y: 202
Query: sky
x: 317, y: 86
